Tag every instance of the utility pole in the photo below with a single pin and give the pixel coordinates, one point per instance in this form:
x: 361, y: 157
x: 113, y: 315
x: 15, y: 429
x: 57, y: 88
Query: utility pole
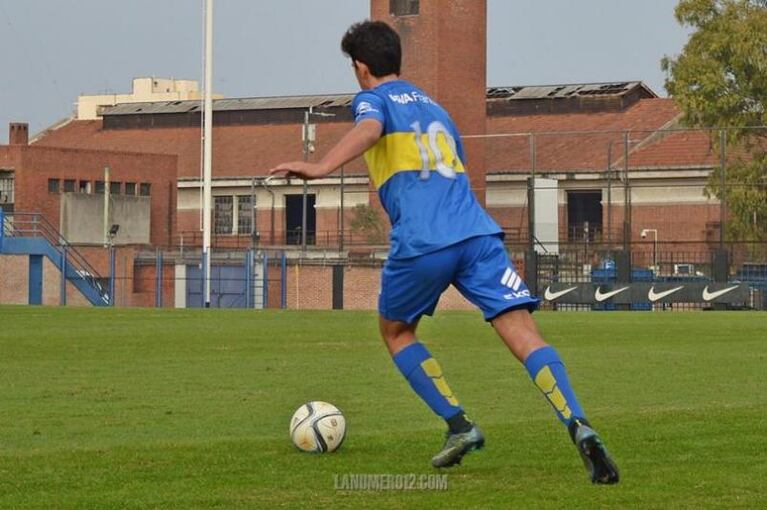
x: 722, y: 185
x: 626, y: 195
x: 531, y: 233
x: 341, y: 218
x: 309, y: 135
x: 254, y: 235
x: 107, y: 187
x: 610, y: 197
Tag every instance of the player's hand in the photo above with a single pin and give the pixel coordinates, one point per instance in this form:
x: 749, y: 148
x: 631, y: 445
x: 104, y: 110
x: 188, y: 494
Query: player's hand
x: 299, y: 169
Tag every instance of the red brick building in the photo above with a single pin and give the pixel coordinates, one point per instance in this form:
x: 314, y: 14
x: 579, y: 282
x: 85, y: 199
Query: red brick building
x: 613, y: 159
x: 571, y: 134
x: 60, y: 191
x: 573, y: 142
x: 39, y: 177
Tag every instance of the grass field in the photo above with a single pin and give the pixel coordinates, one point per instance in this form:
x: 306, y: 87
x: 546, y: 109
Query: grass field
x: 129, y: 408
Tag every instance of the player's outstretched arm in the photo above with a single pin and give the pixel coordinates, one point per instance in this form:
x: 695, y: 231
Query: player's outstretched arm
x: 359, y: 139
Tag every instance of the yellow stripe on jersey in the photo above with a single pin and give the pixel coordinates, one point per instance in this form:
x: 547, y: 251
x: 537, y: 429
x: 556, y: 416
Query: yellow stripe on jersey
x: 398, y: 152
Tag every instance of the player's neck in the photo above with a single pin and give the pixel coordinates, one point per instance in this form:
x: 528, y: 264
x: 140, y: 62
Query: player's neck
x: 374, y: 81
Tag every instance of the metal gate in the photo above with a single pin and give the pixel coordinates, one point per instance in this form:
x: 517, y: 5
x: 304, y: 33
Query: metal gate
x: 228, y: 285
x: 232, y: 285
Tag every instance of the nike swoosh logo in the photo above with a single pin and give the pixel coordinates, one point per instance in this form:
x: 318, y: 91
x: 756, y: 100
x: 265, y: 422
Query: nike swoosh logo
x: 599, y: 296
x: 708, y: 296
x: 653, y: 296
x: 551, y: 296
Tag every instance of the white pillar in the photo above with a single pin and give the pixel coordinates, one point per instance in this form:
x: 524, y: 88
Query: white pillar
x: 180, y: 289
x: 208, y: 144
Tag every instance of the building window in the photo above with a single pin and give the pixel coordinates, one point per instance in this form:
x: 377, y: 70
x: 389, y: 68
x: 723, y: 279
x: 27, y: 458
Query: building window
x: 69, y: 185
x: 245, y: 214
x: 145, y: 189
x: 53, y: 185
x: 403, y: 7
x: 130, y: 188
x: 99, y: 187
x: 84, y: 187
x: 584, y: 215
x: 223, y: 215
x: 294, y: 218
x: 114, y: 188
x: 6, y: 190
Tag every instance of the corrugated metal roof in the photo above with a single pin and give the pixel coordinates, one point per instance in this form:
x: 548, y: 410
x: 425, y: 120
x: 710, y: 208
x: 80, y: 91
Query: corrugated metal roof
x: 233, y: 104
x: 567, y: 90
x: 342, y: 100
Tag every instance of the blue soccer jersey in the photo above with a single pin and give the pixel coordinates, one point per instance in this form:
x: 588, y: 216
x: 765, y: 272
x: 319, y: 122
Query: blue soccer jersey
x: 418, y: 168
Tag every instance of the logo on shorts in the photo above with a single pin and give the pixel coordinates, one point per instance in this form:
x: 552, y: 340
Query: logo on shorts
x: 511, y: 279
x: 517, y: 295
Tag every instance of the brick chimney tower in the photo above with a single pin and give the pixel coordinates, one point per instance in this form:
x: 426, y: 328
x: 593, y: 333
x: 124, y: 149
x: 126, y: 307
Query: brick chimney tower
x: 18, y: 133
x: 444, y: 51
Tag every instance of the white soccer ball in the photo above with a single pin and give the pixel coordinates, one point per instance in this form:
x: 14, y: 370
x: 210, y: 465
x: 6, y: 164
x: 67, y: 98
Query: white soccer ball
x: 317, y: 427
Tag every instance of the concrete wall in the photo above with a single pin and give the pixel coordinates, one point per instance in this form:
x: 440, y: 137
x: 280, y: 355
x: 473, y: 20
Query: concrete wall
x: 546, y: 215
x: 82, y: 218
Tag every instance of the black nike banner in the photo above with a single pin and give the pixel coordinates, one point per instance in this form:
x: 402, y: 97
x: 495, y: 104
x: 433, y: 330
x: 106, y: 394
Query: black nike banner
x: 674, y: 292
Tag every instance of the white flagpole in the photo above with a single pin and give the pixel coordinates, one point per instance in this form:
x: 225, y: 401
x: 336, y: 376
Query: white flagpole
x: 207, y: 147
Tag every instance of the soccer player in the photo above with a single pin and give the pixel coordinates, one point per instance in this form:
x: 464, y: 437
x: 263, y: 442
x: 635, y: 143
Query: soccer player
x: 440, y: 235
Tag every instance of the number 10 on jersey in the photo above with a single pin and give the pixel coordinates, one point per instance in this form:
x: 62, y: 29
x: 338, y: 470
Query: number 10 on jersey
x: 434, y: 129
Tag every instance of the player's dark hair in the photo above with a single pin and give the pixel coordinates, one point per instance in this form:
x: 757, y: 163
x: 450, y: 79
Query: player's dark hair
x: 375, y: 44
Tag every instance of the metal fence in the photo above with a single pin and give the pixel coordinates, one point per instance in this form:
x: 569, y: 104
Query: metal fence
x: 669, y: 200
x: 675, y: 205
x: 606, y: 182
x: 328, y: 280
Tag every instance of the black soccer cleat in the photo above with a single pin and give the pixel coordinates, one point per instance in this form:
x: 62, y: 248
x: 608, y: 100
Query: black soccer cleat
x: 458, y: 445
x: 601, y: 467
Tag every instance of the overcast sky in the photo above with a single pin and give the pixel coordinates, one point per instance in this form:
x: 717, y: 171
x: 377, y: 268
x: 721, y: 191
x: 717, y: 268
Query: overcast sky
x: 54, y: 50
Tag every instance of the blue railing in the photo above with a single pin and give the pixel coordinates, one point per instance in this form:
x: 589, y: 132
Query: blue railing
x: 71, y: 262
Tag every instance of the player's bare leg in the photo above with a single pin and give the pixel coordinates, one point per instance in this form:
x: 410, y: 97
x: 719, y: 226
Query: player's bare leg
x: 518, y: 331
x: 396, y: 335
x: 520, y: 334
x: 425, y: 377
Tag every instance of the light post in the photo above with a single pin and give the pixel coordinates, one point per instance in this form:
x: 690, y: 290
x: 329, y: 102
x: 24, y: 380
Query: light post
x: 341, y: 219
x: 309, y: 135
x: 113, y: 230
x: 255, y: 235
x: 643, y: 235
x: 265, y: 185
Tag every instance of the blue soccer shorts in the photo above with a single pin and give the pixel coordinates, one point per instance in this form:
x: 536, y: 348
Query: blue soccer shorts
x: 479, y: 267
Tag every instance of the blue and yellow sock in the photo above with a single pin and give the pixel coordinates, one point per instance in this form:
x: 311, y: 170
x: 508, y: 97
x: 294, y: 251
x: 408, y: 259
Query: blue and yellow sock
x: 548, y: 373
x: 425, y: 377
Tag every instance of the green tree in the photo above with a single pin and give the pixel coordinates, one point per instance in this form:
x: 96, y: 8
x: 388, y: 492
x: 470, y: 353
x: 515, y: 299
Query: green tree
x: 368, y: 222
x: 720, y: 80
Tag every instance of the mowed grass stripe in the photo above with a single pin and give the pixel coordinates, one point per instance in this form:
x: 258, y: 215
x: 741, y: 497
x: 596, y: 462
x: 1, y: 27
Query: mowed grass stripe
x: 189, y: 409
